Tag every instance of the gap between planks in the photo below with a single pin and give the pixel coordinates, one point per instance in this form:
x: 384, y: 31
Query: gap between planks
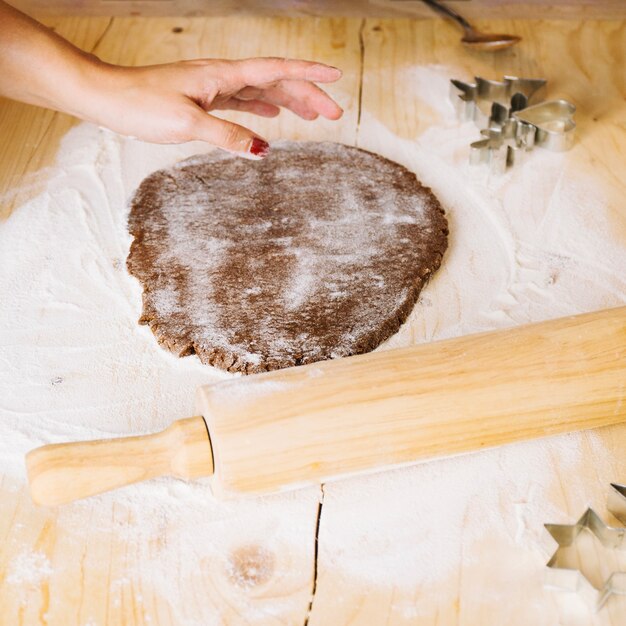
x: 321, y: 503
x: 106, y: 30
x: 315, y: 555
x: 361, y: 68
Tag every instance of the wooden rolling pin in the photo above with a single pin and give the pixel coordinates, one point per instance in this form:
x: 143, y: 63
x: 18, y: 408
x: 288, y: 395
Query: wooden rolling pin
x: 307, y: 424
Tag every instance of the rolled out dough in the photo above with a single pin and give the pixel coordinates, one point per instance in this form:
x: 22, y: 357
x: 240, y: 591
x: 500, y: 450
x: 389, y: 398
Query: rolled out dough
x: 318, y: 251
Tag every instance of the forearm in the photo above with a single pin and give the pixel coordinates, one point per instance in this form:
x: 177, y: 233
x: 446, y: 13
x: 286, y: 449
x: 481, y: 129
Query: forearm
x: 39, y: 67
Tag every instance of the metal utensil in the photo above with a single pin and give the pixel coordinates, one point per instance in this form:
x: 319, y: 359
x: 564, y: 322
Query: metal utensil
x: 573, y: 579
x: 472, y: 37
x: 554, y: 121
x: 513, y: 119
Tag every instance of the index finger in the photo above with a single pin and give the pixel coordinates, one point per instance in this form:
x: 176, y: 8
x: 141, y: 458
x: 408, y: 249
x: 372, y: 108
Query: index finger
x: 259, y: 71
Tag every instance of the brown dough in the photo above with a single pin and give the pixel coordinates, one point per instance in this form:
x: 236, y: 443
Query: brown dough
x: 318, y: 251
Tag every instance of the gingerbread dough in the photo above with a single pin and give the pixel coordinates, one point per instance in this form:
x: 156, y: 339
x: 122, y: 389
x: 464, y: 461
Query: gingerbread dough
x: 318, y: 251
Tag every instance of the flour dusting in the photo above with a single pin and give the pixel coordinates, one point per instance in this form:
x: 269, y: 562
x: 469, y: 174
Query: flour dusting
x: 74, y: 364
x: 29, y: 568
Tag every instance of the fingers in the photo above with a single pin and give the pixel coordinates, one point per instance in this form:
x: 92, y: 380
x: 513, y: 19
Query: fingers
x: 258, y: 107
x: 278, y: 82
x: 303, y: 98
x: 229, y: 136
x: 261, y: 71
x: 313, y: 98
x: 277, y: 96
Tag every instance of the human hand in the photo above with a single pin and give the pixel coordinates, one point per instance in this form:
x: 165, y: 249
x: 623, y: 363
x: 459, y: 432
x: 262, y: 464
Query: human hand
x: 160, y: 103
x: 170, y: 103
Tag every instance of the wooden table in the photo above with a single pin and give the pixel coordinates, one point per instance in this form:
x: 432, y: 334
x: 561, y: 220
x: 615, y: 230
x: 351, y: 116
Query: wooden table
x: 276, y: 572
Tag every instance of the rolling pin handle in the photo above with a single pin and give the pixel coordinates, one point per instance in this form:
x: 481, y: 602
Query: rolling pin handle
x: 60, y: 473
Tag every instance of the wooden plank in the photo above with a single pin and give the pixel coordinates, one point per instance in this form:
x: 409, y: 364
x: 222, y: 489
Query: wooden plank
x: 140, y: 41
x: 575, y: 9
x: 397, y: 524
x: 99, y: 561
x: 435, y: 575
x: 104, y: 562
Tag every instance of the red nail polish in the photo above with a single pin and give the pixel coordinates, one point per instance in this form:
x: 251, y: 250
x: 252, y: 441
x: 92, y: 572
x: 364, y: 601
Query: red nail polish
x: 259, y: 147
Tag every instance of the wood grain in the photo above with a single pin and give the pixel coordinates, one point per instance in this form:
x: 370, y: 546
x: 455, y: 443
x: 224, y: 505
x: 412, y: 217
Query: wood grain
x: 64, y: 472
x: 109, y: 566
x: 104, y: 565
x: 425, y: 401
x: 575, y: 9
x: 100, y: 562
x: 585, y: 68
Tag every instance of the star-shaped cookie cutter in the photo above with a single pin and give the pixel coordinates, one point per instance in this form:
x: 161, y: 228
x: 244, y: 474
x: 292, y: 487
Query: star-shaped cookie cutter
x: 573, y: 579
x: 514, y: 118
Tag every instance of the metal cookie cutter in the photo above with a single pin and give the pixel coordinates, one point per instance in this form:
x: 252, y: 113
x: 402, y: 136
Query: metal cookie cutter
x: 508, y: 140
x: 473, y: 101
x: 513, y: 125
x: 572, y: 579
x: 554, y: 121
x: 500, y: 151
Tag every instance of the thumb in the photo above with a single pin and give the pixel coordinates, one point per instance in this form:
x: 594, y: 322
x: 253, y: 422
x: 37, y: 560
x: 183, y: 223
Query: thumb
x: 231, y: 137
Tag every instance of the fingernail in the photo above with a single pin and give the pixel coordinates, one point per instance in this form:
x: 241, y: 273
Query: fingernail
x: 259, y: 147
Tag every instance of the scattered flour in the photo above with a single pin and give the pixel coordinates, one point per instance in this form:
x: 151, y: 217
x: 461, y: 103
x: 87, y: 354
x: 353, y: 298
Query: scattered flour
x: 74, y: 364
x: 29, y: 568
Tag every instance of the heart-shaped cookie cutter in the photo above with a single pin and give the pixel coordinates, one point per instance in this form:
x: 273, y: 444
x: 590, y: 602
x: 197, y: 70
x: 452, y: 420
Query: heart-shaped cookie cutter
x: 554, y: 121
